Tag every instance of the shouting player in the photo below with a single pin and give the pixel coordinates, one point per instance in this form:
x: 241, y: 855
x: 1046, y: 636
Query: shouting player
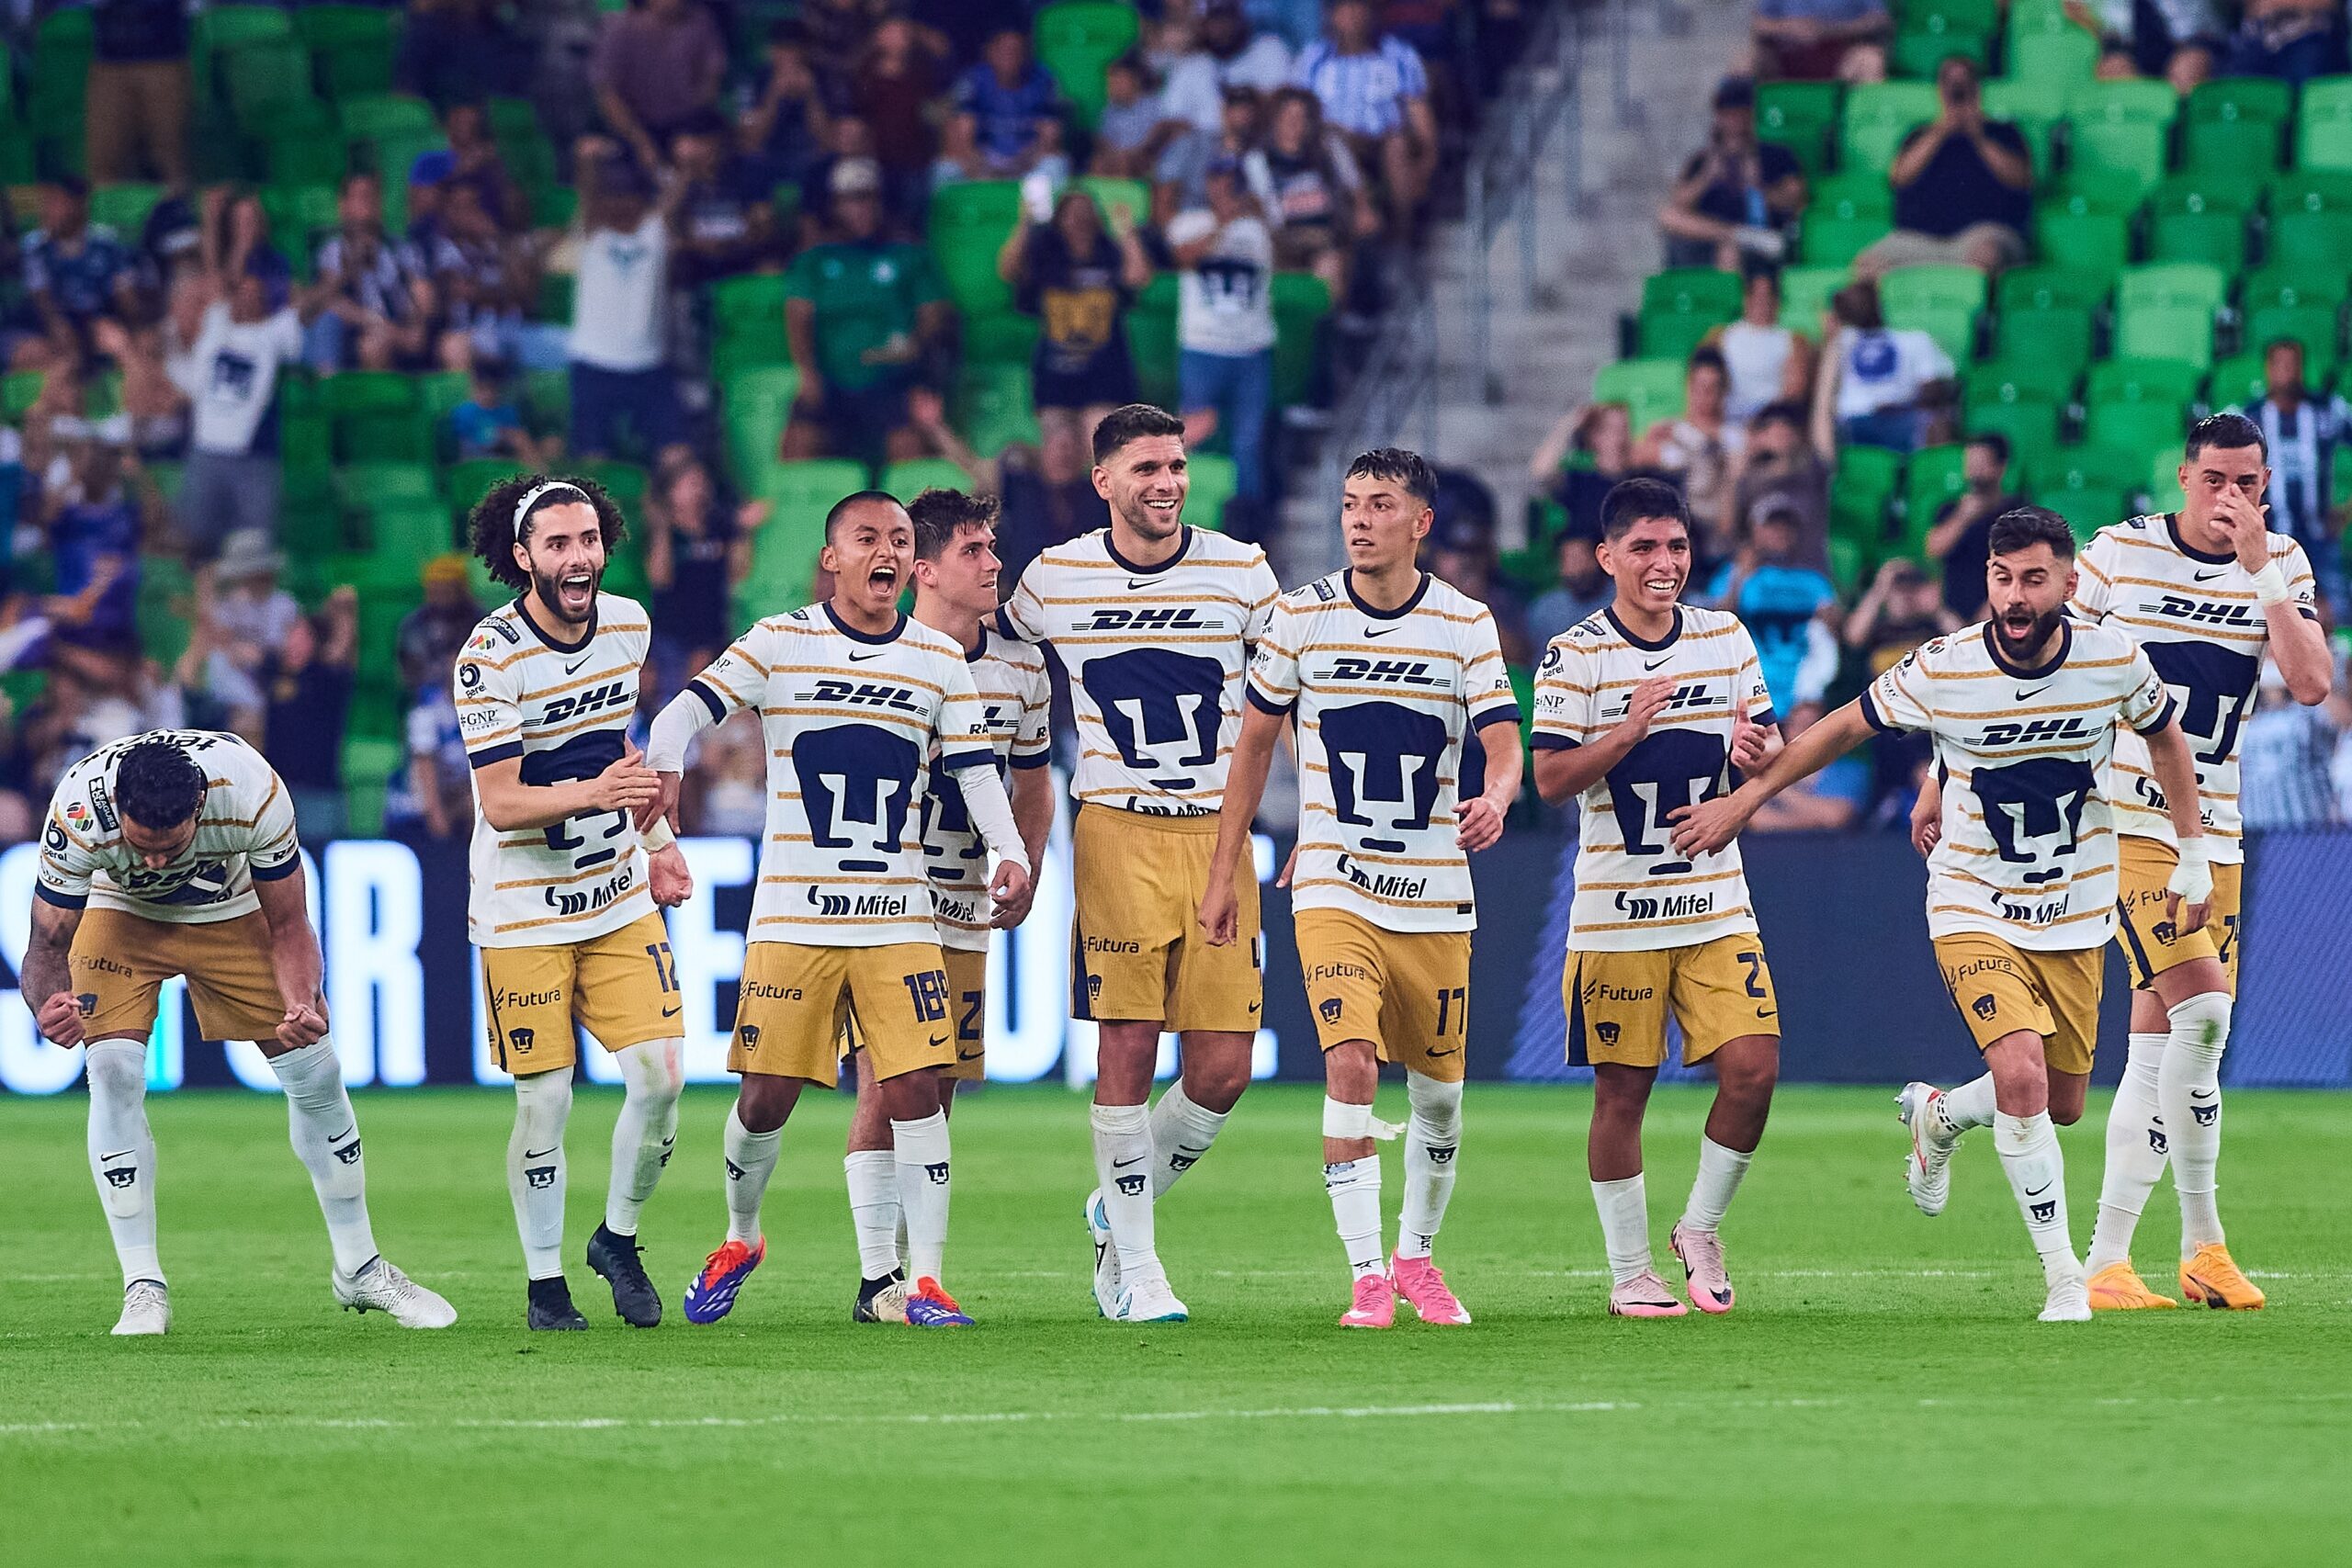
x: 1385, y: 668
x: 2021, y: 881
x: 564, y: 890
x: 1642, y: 710
x: 2205, y: 591
x: 174, y: 852
x: 956, y: 577
x: 855, y: 699
x: 1153, y: 620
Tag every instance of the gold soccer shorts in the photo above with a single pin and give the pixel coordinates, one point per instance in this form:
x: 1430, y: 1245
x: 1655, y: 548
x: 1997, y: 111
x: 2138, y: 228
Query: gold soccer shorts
x: 2000, y: 989
x: 1407, y: 992
x: 621, y: 986
x: 793, y: 1011
x: 1136, y: 951
x: 1617, y: 1002
x: 2149, y: 943
x: 119, y: 962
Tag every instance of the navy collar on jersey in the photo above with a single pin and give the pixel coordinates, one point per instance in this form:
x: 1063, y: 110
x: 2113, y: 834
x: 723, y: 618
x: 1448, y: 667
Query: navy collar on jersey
x: 1645, y: 644
x: 851, y: 633
x: 979, y: 649
x: 540, y: 632
x: 2172, y: 526
x: 1183, y: 543
x: 1348, y: 579
x: 2048, y: 666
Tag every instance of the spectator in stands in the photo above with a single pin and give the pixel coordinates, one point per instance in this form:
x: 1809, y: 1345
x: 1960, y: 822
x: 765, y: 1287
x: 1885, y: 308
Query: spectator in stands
x: 1837, y: 798
x: 1127, y: 136
x: 472, y: 158
x: 851, y: 141
x: 95, y: 523
x: 459, y: 51
x: 1579, y: 589
x: 1223, y: 51
x: 698, y: 547
x: 489, y: 425
x: 1582, y: 458
x: 1902, y: 609
x: 1181, y: 180
x: 248, y: 332
x: 242, y: 618
x: 1960, y: 537
x: 2286, y: 753
x: 726, y: 222
x: 2302, y: 432
x: 1225, y: 328
x: 730, y: 780
x: 430, y: 794
x: 77, y: 274
x: 172, y: 239
x: 135, y: 100
x: 307, y: 683
x: 1315, y: 196
x: 2292, y: 39
x: 1374, y: 90
x: 1767, y: 362
x: 1790, y: 609
x: 2178, y: 41
x: 1700, y: 447
x: 1014, y: 109
x: 379, y: 302
x: 1821, y: 41
x: 1078, y: 280
x: 489, y: 282
x: 1045, y: 494
x: 428, y: 638
x: 894, y: 93
x: 620, y: 309
x: 1964, y: 186
x: 236, y: 226
x: 658, y: 65
x: 784, y: 128
x: 1461, y: 555
x: 1736, y: 195
x: 1877, y: 383
x: 863, y: 315
x: 1778, y: 466
x: 838, y: 33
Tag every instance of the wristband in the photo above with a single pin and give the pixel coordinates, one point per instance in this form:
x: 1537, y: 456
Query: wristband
x: 2270, y: 585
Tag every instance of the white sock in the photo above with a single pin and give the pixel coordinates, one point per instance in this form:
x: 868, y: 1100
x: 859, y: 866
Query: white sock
x: 2135, y: 1154
x: 750, y: 1160
x: 122, y: 1153
x: 1122, y: 1162
x: 1354, y: 1187
x: 872, y: 1177
x: 326, y: 1139
x: 2189, y: 1090
x: 1970, y: 1105
x: 921, y: 1151
x: 1624, y: 1225
x: 645, y: 1130
x: 2037, y: 1172
x: 1719, y: 1170
x: 535, y: 1169
x: 1432, y: 1137
x: 1181, y: 1132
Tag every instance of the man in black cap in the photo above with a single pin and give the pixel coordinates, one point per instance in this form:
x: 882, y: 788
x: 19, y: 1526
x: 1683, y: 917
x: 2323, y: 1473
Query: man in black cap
x: 1736, y: 193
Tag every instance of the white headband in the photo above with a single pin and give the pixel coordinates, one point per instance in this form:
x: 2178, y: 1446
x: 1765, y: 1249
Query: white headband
x: 522, y: 507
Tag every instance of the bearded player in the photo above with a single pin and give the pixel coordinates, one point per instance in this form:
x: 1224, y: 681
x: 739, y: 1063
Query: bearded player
x: 564, y: 889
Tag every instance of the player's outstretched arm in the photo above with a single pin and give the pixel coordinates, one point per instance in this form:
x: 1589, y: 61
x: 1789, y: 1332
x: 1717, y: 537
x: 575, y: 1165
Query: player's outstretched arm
x: 45, y: 979
x: 2191, y: 883
x: 1481, y: 818
x: 1245, y: 786
x: 1708, y: 826
x: 294, y: 957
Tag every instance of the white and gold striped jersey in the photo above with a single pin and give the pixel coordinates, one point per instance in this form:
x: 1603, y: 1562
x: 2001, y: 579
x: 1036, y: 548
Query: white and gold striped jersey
x: 851, y: 720
x: 1383, y: 699
x: 244, y: 832
x: 1016, y: 713
x: 1156, y: 656
x: 1635, y: 892
x: 2028, y: 852
x: 564, y: 708
x: 2195, y: 614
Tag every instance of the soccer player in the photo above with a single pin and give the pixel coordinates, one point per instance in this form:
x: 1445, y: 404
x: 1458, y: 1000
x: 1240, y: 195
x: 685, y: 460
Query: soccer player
x: 2205, y: 591
x: 2021, y: 881
x: 1153, y: 620
x: 955, y: 573
x: 1385, y: 668
x: 174, y: 853
x: 854, y: 698
x: 564, y: 889
x: 1642, y: 710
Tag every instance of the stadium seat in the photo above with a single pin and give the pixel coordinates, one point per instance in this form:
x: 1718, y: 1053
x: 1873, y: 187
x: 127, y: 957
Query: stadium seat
x: 2120, y: 156
x: 2236, y: 382
x: 1878, y: 115
x: 755, y: 406
x: 1651, y: 390
x: 2045, y: 287
x: 967, y: 226
x: 911, y: 477
x: 299, y: 215
x: 2295, y: 283
x: 1942, y: 301
x: 2058, y: 63
x: 354, y: 44
x: 2199, y: 218
x: 2060, y: 336
x: 2310, y: 219
x: 1804, y: 296
x: 1076, y: 39
x: 2235, y: 125
x: 260, y: 80
x: 2031, y: 376
x: 2033, y: 111
x: 1865, y: 483
x: 369, y: 763
x: 1215, y: 479
x: 993, y: 406
x: 2086, y: 509
x: 1831, y: 233
x: 1917, y: 53
x: 1801, y: 117
x: 2009, y: 401
x: 1681, y: 306
x: 466, y: 482
x: 1111, y: 194
x: 2078, y: 232
x: 2137, y: 427
x: 1302, y: 301
x: 2314, y: 326
x: 2165, y: 311
x: 410, y: 530
x: 2323, y: 125
x: 1151, y: 340
x: 371, y: 116
x: 1935, y: 475
x: 2165, y: 494
x: 747, y: 323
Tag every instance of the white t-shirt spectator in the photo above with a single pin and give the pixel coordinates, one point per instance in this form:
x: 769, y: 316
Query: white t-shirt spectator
x: 231, y: 376
x: 1194, y: 89
x: 1757, y: 360
x: 1365, y: 94
x: 618, y: 297
x: 1885, y: 369
x: 1225, y: 303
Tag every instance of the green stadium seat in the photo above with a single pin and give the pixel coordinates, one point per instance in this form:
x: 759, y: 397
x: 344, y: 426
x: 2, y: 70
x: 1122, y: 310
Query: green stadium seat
x: 2121, y: 156
x: 466, y: 482
x: 1151, y: 340
x: 810, y: 486
x: 261, y: 79
x: 124, y: 208
x: 2136, y: 426
x: 366, y: 486
x: 2034, y: 377
x: 2087, y: 509
x: 1828, y: 237
x: 967, y: 226
x: 2265, y: 100
x: 784, y: 551
x: 1301, y: 302
x: 1943, y: 301
x: 1213, y: 480
x: 440, y: 391
x: 2032, y: 110
x: 993, y: 407
x: 1918, y: 52
x: 2324, y: 127
x: 1111, y: 194
x: 217, y: 30
x: 1801, y: 117
x: 2124, y: 379
x: 2165, y: 493
x: 303, y: 157
x: 371, y: 116
x: 2060, y: 336
x: 2302, y: 235
x: 2230, y: 146
x: 2165, y: 310
x: 1935, y: 475
x: 911, y: 477
x: 2237, y: 381
x: 2074, y: 232
x: 1076, y: 39
x: 2314, y: 326
x: 1000, y: 337
x: 2044, y: 288
x: 1804, y: 296
x: 2198, y: 285
x: 2058, y: 64
x: 1681, y: 307
x: 625, y: 482
x: 2295, y: 283
x: 299, y: 215
x: 2132, y: 101
x: 754, y: 407
x: 411, y: 532
x: 1878, y: 115
x: 369, y: 763
x: 2030, y: 423
x: 354, y: 44
x: 1652, y: 390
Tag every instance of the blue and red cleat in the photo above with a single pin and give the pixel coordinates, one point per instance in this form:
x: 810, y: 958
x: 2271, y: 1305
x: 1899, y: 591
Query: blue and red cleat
x: 930, y: 1306
x: 711, y: 1295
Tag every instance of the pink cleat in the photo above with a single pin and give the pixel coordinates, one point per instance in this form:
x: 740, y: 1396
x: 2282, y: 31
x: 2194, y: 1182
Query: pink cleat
x: 1644, y: 1295
x: 1422, y: 1285
x: 1375, y: 1304
x: 1703, y: 1265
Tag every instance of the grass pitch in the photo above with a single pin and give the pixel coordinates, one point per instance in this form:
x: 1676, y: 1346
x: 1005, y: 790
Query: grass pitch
x: 1881, y: 1394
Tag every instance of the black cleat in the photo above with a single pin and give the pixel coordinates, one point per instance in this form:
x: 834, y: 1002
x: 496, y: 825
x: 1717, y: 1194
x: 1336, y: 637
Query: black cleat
x: 616, y: 1258
x: 881, y: 1301
x: 551, y: 1306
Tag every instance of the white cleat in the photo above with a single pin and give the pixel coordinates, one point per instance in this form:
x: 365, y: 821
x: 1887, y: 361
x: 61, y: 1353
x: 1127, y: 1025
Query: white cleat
x: 1106, y: 1255
x: 146, y: 1309
x: 381, y: 1287
x: 2069, y: 1302
x: 1928, y: 1172
x: 1148, y: 1300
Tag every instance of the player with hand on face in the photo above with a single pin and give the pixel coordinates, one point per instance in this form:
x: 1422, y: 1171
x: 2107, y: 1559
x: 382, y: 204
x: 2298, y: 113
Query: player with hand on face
x: 1642, y: 710
x: 1386, y: 672
x: 854, y: 701
x: 2021, y: 883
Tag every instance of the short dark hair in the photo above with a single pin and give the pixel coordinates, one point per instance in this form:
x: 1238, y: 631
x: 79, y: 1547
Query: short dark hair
x: 158, y: 784
x: 1706, y: 357
x: 2022, y: 527
x: 494, y: 529
x: 850, y: 502
x: 1993, y: 442
x: 1395, y: 463
x: 2224, y: 432
x: 940, y: 514
x: 1630, y: 501
x: 1780, y: 411
x: 1133, y: 422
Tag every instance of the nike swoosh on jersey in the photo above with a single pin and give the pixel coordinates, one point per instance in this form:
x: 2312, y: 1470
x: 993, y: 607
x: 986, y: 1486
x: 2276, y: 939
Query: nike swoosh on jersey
x: 2211, y: 576
x: 862, y: 658
x: 2023, y: 693
x: 574, y: 669
x: 1384, y: 631
x: 1655, y: 663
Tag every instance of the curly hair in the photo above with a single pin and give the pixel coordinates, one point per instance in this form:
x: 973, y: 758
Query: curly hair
x: 494, y: 528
